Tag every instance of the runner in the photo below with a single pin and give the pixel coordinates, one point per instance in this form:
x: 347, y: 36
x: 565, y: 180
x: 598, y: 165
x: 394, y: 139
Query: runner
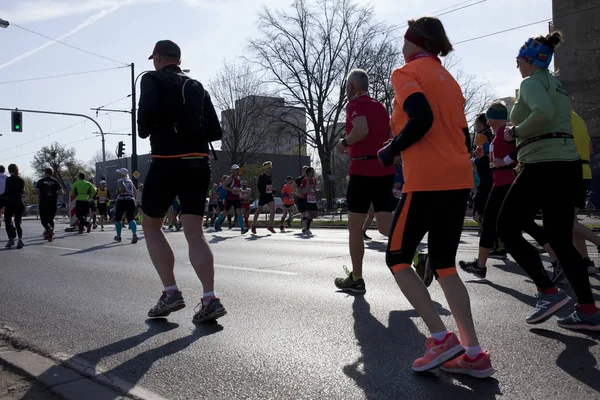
x: 265, y: 190
x: 433, y: 138
x: 543, y: 131
x: 368, y: 221
x: 125, y: 205
x: 301, y: 198
x: 171, y: 104
x: 308, y: 188
x: 233, y: 186
x: 212, y: 206
x: 48, y: 189
x: 222, y: 195
x: 371, y: 184
x: 138, y: 202
x: 483, y: 138
x: 246, y: 198
x: 580, y: 232
x: 502, y: 166
x: 93, y: 209
x: 103, y: 199
x: 287, y: 194
x: 83, y: 192
x: 3, y: 178
x: 14, y: 191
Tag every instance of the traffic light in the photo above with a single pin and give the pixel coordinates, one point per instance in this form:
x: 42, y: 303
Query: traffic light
x: 121, y: 150
x: 17, y: 121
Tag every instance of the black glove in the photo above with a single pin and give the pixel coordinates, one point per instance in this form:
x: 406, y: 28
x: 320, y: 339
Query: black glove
x: 387, y: 155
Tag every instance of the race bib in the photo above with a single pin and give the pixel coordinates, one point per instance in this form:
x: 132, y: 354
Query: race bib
x: 235, y: 191
x: 311, y: 198
x: 269, y: 189
x: 102, y: 199
x: 397, y: 193
x: 291, y: 196
x: 492, y: 156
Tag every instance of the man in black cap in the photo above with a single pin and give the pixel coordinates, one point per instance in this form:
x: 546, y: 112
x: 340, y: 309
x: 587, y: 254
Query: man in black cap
x: 176, y: 113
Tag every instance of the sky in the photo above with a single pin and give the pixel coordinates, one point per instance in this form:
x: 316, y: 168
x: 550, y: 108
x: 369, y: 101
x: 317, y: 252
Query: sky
x: 209, y: 33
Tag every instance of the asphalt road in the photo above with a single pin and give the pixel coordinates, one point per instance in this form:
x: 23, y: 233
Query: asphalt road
x: 288, y: 333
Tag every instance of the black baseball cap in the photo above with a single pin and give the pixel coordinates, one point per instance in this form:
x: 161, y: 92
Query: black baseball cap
x: 166, y: 48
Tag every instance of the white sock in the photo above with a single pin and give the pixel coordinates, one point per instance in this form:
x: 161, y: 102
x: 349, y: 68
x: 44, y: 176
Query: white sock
x: 439, y: 335
x: 171, y: 289
x: 209, y: 294
x: 474, y: 351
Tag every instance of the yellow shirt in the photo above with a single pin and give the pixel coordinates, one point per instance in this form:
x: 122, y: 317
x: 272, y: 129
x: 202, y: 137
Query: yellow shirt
x: 582, y: 142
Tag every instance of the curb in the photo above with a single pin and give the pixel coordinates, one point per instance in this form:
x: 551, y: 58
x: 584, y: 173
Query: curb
x: 68, y: 378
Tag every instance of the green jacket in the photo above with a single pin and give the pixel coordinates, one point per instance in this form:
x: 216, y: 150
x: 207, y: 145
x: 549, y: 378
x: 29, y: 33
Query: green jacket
x: 83, y: 190
x: 543, y: 106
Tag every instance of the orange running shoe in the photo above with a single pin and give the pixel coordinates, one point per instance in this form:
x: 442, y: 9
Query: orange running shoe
x: 437, y: 352
x: 478, y: 367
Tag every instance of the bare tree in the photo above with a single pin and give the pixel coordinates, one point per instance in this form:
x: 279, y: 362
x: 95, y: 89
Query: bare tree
x: 309, y: 50
x: 97, y: 158
x: 245, y: 107
x: 56, y: 156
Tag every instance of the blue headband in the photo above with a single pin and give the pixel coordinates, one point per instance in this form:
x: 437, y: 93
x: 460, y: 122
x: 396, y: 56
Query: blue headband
x: 496, y: 114
x: 536, y: 53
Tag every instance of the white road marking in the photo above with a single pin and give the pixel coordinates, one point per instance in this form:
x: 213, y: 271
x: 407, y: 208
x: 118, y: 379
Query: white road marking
x: 266, y: 271
x: 61, y: 248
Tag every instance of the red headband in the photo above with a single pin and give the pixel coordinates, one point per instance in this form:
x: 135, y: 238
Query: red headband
x: 412, y: 37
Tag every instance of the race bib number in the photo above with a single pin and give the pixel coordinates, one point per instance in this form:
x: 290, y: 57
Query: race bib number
x: 291, y: 196
x: 311, y: 198
x: 269, y: 189
x: 235, y: 191
x: 102, y: 199
x: 397, y: 193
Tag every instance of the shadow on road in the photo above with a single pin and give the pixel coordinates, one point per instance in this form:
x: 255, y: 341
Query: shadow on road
x: 576, y: 359
x: 126, y: 375
x: 96, y: 248
x: 529, y: 300
x: 378, y: 246
x: 383, y: 371
x: 217, y: 239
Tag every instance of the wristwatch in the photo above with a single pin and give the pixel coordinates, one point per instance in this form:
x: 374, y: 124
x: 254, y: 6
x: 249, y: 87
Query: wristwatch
x: 344, y: 142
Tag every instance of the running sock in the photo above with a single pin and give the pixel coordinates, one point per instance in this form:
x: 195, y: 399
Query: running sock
x: 552, y: 290
x: 474, y: 351
x: 241, y: 221
x: 208, y: 296
x: 587, y: 309
x: 118, y: 227
x: 355, y: 277
x: 170, y: 290
x: 440, y: 335
x: 133, y: 227
x: 220, y: 218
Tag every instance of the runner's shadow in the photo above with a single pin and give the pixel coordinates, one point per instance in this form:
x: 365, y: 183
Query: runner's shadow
x: 378, y: 246
x: 96, y: 248
x: 576, y: 359
x: 512, y: 267
x: 529, y: 300
x: 383, y: 370
x: 217, y: 239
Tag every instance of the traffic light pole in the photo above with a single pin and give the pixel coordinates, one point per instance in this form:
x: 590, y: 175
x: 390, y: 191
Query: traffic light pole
x: 70, y: 115
x: 134, y: 156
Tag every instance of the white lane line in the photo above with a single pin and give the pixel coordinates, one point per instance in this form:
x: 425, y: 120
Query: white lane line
x: 266, y: 271
x: 61, y: 248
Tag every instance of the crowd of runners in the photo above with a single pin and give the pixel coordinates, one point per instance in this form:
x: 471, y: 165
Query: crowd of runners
x: 413, y: 172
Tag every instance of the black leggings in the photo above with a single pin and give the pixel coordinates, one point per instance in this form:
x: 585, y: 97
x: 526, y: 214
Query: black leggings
x: 82, y: 208
x: 14, y: 211
x: 489, y: 234
x: 553, y: 187
x: 47, y: 214
x: 481, y: 197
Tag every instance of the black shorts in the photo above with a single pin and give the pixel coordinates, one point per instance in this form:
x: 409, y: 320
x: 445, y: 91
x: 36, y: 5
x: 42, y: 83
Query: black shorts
x: 301, y: 204
x: 82, y: 208
x: 288, y: 206
x: 93, y: 206
x: 127, y: 207
x: 442, y: 214
x: 582, y: 195
x: 236, y: 204
x: 265, y: 199
x: 311, y: 207
x: 168, y: 178
x: 366, y: 190
x: 102, y: 209
x: 211, y: 207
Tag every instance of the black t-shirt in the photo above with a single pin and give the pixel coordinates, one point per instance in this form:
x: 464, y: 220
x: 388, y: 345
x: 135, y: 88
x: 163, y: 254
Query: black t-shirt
x: 48, y: 188
x: 263, y: 181
x: 15, y: 189
x: 299, y: 180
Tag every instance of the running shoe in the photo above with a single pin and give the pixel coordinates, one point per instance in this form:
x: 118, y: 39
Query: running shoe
x: 89, y: 227
x: 50, y: 235
x: 134, y: 240
x: 477, y: 367
x: 117, y: 238
x: 591, y: 267
x: 420, y: 265
x: 206, y: 225
x: 230, y: 225
x: 102, y: 229
x: 244, y: 231
x: 365, y: 237
x: 80, y: 232
x: 20, y: 244
x: 348, y: 283
x: 209, y: 312
x: 498, y: 254
x: 281, y: 229
x: 178, y: 226
x: 253, y: 229
x: 167, y: 304
x: 94, y: 226
x: 10, y: 243
x: 558, y: 274
x: 270, y: 229
x: 45, y: 233
x: 308, y: 232
x: 580, y: 321
x: 546, y: 305
x: 473, y: 268
x: 438, y: 352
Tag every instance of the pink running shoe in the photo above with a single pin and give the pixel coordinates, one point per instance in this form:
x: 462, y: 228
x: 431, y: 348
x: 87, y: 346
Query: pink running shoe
x: 270, y: 229
x: 478, y: 367
x: 437, y: 352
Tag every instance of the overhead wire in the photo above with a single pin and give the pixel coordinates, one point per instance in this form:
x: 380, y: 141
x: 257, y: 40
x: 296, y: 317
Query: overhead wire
x: 59, y: 76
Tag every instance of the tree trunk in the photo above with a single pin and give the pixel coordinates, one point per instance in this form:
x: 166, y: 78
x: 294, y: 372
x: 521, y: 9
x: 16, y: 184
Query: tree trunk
x: 326, y: 170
